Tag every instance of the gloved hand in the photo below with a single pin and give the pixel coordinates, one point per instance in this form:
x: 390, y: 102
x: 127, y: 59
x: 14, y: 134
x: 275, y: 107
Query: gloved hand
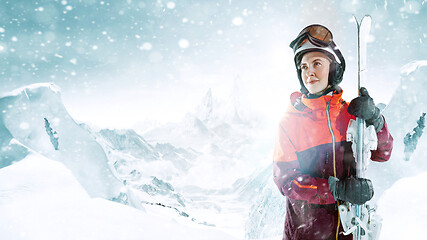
x: 364, y: 107
x: 352, y: 189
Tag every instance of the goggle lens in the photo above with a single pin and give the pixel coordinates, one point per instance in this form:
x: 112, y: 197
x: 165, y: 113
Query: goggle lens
x: 317, y: 34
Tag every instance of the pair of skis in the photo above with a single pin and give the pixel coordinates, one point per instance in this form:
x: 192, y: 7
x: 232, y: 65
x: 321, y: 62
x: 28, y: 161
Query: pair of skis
x: 361, y: 220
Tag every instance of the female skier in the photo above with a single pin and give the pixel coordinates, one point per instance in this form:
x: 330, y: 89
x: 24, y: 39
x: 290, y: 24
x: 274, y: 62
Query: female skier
x: 311, y: 144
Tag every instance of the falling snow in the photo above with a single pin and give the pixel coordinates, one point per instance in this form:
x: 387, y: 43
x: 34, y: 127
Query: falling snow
x: 144, y: 65
x: 183, y: 43
x: 237, y: 21
x: 170, y: 5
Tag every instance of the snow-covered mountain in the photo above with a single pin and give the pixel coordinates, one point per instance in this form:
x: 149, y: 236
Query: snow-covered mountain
x: 128, y: 142
x: 23, y: 117
x: 193, y: 165
x: 409, y: 101
x: 111, y: 164
x: 44, y: 149
x: 233, y: 109
x: 122, y: 165
x: 146, y: 169
x: 218, y: 127
x: 267, y: 204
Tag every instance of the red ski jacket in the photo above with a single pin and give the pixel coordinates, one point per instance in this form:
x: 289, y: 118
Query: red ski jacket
x: 311, y: 145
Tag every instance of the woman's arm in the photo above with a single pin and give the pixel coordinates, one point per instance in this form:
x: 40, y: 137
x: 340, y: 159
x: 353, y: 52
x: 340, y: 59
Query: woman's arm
x: 385, y: 145
x: 289, y: 179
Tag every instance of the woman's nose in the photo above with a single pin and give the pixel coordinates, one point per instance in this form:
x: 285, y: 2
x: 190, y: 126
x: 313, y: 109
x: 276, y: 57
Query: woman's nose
x: 310, y: 72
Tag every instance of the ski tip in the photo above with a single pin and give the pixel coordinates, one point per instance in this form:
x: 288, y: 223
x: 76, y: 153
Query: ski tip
x: 367, y: 17
x: 354, y: 18
x: 356, y: 21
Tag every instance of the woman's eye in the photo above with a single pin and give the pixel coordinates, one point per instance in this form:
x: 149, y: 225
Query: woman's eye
x: 303, y: 67
x: 317, y: 64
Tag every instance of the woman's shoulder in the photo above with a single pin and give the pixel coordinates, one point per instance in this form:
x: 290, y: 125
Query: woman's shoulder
x: 292, y: 116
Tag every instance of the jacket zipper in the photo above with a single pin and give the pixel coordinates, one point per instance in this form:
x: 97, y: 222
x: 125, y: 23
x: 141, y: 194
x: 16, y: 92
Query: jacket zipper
x: 332, y: 135
x: 333, y: 157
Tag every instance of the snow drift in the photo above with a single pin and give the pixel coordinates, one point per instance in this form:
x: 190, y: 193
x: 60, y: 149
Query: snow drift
x: 403, y: 210
x: 41, y: 199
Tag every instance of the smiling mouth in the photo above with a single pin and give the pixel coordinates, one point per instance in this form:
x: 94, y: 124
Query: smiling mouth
x: 312, y: 81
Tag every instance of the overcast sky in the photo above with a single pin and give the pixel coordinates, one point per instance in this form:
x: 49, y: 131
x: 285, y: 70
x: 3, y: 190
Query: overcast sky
x: 122, y: 62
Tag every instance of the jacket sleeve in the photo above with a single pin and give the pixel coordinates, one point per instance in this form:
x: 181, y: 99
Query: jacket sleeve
x: 289, y: 179
x: 385, y: 145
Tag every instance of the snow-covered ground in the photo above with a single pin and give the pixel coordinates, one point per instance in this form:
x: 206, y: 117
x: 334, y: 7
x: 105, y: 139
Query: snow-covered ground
x: 41, y: 199
x: 404, y: 210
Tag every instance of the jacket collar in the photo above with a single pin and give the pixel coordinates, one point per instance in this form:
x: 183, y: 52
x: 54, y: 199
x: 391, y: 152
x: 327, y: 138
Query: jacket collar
x: 303, y: 104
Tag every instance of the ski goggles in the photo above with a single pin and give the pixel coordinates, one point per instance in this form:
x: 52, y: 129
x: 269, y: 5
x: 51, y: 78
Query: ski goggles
x: 318, y: 35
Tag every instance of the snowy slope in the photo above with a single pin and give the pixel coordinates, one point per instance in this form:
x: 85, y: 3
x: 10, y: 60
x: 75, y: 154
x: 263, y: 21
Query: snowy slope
x: 403, y: 209
x: 41, y: 199
x: 23, y: 115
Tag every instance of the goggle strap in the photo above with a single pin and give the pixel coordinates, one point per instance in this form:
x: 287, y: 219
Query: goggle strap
x: 297, y: 43
x: 338, y: 53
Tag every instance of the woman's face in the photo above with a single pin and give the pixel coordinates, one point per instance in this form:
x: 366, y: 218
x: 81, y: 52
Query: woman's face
x: 315, y: 72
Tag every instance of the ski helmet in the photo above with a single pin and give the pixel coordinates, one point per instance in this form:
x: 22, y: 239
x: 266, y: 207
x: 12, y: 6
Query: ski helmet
x: 317, y: 38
